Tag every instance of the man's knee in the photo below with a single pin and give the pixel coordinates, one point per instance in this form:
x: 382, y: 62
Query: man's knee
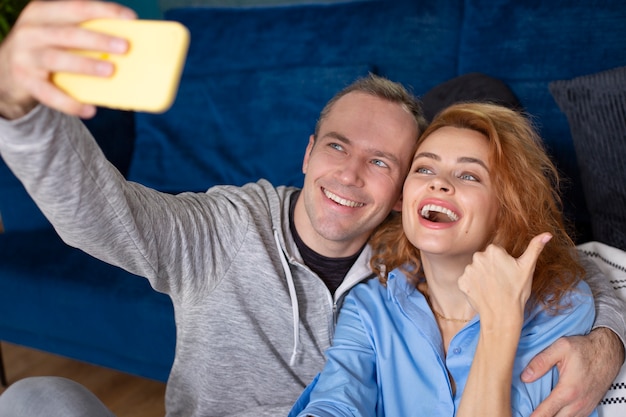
x: 51, y: 397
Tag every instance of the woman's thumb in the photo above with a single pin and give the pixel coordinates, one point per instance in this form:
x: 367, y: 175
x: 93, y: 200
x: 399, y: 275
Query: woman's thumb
x: 536, y: 245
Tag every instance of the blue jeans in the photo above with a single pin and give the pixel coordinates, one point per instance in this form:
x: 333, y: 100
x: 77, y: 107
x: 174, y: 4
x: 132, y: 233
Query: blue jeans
x: 50, y: 397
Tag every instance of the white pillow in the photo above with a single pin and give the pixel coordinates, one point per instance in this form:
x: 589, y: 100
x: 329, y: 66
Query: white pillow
x: 612, y: 262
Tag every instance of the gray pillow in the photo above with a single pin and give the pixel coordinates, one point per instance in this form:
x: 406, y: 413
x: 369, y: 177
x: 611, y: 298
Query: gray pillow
x: 595, y: 106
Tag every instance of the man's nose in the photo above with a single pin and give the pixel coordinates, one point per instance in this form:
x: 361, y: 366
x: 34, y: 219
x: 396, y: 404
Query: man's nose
x: 351, y: 172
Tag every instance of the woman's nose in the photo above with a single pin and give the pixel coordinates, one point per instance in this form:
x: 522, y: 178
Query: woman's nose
x: 439, y: 184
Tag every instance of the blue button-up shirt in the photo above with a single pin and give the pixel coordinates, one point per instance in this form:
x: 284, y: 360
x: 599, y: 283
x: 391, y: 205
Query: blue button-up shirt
x: 387, y: 357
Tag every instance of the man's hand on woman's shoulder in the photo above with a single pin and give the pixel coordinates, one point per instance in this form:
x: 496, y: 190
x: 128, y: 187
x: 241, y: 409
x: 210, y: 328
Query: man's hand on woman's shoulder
x: 587, y: 366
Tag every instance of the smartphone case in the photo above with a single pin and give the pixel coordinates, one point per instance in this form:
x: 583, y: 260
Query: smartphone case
x: 146, y: 77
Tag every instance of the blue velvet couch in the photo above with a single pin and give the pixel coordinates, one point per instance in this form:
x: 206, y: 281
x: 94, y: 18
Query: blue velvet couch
x: 253, y: 85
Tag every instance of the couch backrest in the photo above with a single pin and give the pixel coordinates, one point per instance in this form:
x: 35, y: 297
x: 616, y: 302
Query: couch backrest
x: 256, y: 78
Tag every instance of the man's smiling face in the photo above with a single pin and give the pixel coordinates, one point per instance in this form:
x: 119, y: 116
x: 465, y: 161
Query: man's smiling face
x: 354, y: 172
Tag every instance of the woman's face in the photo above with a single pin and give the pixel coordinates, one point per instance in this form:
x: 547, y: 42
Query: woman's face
x: 449, y: 204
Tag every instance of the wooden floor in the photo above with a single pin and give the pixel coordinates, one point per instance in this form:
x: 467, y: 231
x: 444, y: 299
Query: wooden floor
x: 125, y: 395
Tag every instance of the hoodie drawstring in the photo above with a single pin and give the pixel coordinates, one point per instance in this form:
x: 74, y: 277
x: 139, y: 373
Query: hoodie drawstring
x: 294, y: 302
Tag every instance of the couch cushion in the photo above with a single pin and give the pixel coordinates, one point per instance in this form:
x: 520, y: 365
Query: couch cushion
x: 59, y: 299
x: 114, y: 130
x: 415, y: 43
x: 17, y: 210
x: 595, y: 106
x: 171, y: 4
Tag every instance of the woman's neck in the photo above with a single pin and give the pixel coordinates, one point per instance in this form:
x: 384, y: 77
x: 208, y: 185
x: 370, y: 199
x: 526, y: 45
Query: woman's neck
x: 449, y: 305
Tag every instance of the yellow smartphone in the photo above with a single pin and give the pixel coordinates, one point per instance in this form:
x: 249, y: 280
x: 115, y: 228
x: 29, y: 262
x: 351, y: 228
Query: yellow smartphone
x: 146, y: 77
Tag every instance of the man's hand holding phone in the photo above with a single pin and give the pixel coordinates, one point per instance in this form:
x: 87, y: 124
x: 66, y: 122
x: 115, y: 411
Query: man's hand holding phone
x: 145, y: 77
x: 44, y: 41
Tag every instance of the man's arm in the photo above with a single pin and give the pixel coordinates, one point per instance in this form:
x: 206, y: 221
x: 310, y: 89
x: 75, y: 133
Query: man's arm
x: 587, y: 364
x: 610, y: 309
x: 40, y: 43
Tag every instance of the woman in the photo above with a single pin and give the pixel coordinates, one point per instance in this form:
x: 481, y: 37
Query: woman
x: 482, y: 277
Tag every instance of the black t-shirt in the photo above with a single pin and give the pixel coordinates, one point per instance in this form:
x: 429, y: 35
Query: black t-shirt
x: 331, y: 270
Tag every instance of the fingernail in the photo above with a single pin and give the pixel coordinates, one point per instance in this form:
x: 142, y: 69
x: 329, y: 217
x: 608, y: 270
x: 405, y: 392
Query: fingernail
x: 87, y: 112
x: 128, y: 14
x: 118, y: 46
x: 527, y: 373
x: 546, y: 238
x: 104, y: 69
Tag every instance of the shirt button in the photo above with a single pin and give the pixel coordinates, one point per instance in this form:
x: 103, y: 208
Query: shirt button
x: 456, y: 351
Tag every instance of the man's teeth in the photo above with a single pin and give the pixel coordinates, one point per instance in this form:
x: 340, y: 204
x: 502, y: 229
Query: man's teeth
x: 342, y: 201
x: 428, y: 208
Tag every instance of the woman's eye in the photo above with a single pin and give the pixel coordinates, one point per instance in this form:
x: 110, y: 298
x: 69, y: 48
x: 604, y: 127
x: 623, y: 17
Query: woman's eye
x: 423, y: 170
x: 468, y: 177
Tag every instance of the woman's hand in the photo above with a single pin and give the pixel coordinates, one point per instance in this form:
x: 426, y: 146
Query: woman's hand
x: 498, y: 285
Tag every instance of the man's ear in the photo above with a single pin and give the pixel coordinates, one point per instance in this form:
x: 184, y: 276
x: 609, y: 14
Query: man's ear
x: 307, y: 153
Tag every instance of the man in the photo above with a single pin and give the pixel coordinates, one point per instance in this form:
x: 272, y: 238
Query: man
x: 256, y: 273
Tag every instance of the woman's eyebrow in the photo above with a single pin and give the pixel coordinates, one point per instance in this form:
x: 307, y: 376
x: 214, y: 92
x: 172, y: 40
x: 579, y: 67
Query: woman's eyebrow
x: 471, y: 160
x: 429, y: 155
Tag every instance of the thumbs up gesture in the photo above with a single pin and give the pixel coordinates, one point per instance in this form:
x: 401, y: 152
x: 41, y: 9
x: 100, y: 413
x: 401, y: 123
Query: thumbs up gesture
x: 498, y: 285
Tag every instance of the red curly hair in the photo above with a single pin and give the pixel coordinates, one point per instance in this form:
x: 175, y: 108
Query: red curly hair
x: 527, y: 186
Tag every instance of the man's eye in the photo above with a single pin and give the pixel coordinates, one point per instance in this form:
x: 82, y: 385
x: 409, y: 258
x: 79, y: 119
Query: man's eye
x: 336, y: 146
x: 379, y: 163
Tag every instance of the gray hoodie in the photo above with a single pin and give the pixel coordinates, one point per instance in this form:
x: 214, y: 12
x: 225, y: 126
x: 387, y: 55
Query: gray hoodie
x: 253, y: 322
